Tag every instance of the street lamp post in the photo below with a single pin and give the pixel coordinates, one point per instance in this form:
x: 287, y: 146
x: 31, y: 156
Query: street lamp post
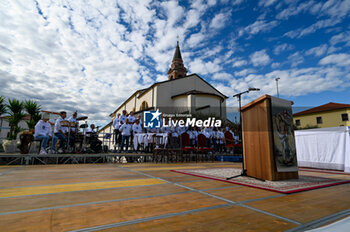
x: 238, y: 95
x: 276, y: 79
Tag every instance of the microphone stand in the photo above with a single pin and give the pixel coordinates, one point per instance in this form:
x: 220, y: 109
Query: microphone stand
x: 244, y: 171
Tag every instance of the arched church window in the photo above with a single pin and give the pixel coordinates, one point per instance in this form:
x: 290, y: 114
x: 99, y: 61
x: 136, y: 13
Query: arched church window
x: 144, y: 105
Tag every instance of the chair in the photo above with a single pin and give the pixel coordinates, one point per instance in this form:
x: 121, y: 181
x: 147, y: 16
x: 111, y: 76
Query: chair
x: 229, y: 141
x: 35, y: 140
x: 202, y: 146
x: 185, y: 145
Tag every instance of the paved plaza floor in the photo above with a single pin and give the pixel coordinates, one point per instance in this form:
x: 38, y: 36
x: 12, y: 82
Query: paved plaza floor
x: 149, y: 197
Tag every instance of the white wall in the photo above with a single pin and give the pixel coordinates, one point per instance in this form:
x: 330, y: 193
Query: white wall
x: 168, y: 89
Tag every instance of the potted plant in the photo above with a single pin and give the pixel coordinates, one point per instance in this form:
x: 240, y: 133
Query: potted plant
x: 33, y: 109
x: 16, y: 114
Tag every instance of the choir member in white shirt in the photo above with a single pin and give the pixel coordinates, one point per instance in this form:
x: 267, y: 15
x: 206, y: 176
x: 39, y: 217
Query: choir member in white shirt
x: 136, y: 127
x: 43, y: 132
x: 125, y: 130
x: 90, y: 131
x: 122, y: 117
x: 131, y: 120
x: 131, y: 117
x: 221, y: 140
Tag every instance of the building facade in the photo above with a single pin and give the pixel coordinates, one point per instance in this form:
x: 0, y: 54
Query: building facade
x: 327, y: 115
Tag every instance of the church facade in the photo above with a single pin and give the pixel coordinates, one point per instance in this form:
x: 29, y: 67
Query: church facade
x: 181, y: 93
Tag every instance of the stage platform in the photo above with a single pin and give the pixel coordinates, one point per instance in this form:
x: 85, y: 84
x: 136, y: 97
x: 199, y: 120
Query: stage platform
x: 149, y: 197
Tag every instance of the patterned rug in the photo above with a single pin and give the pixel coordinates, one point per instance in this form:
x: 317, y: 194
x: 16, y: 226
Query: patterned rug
x: 304, y: 183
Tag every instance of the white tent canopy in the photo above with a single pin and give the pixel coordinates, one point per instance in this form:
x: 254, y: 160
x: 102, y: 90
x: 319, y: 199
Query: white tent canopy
x: 327, y: 148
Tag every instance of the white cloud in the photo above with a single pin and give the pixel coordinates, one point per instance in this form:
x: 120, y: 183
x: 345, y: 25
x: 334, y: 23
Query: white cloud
x: 275, y: 65
x: 266, y: 3
x: 219, y: 20
x: 334, y: 8
x: 257, y: 27
x: 196, y: 39
x: 244, y: 72
x: 295, y: 59
x: 317, y: 51
x: 239, y: 63
x: 298, y: 33
x: 260, y: 58
x: 201, y: 67
x: 341, y: 59
x: 294, y: 10
x: 293, y: 82
x: 235, y: 2
x: 222, y: 76
x: 343, y: 37
x: 282, y: 47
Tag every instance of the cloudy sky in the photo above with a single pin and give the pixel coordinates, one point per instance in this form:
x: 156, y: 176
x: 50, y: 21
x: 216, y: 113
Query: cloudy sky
x: 91, y: 55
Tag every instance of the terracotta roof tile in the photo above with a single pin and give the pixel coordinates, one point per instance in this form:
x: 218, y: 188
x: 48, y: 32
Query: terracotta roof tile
x: 322, y: 108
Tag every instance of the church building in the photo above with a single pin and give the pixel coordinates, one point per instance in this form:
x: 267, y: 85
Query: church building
x: 181, y: 93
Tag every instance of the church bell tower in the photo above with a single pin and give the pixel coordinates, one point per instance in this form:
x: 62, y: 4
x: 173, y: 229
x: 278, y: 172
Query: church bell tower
x: 177, y: 68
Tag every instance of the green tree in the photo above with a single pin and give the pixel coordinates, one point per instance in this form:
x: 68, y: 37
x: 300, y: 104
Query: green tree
x: 33, y: 109
x: 3, y: 108
x: 16, y: 114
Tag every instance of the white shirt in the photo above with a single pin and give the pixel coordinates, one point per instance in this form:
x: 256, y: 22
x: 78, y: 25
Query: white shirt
x: 43, y: 128
x: 58, y: 126
x: 116, y: 123
x: 136, y: 128
x: 122, y: 118
x: 131, y: 119
x: 125, y: 129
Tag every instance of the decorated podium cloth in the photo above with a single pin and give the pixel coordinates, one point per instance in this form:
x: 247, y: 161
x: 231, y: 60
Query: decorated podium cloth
x: 326, y: 148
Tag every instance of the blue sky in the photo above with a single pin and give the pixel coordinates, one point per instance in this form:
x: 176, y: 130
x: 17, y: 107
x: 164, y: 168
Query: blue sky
x: 91, y: 55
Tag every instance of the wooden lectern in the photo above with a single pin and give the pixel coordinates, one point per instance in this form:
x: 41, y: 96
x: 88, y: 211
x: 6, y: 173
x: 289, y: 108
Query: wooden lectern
x: 265, y: 139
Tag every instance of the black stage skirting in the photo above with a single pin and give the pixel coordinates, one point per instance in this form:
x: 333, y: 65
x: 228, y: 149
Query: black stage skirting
x: 30, y: 159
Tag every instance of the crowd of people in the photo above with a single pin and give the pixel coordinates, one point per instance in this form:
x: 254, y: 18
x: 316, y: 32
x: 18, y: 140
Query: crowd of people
x: 127, y: 125
x: 65, y: 134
